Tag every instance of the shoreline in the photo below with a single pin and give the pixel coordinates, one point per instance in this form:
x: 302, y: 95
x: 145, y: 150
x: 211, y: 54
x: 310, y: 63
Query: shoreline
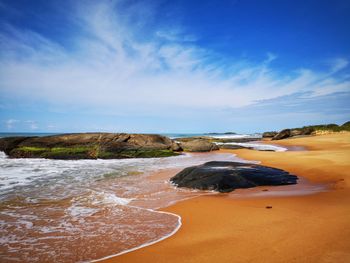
x: 145, y: 244
x: 162, y: 249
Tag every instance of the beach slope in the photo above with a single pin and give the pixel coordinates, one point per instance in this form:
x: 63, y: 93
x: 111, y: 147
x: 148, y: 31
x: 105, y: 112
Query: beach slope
x: 308, y: 228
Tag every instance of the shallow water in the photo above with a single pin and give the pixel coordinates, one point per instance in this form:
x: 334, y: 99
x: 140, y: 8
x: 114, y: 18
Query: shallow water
x: 69, y: 211
x: 257, y: 145
x: 83, y: 210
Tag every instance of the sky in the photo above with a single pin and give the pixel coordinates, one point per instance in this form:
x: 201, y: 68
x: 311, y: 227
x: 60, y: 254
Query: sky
x: 175, y: 66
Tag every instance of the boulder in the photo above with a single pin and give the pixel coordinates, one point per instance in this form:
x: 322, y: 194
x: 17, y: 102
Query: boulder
x: 7, y: 144
x: 282, y: 134
x: 296, y: 132
x: 90, y: 146
x: 175, y: 146
x: 231, y: 146
x: 301, y: 131
x: 198, y: 145
x: 308, y: 131
x: 269, y: 134
x: 228, y: 176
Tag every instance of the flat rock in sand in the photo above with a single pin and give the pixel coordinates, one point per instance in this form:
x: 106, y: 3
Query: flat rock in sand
x: 228, y: 176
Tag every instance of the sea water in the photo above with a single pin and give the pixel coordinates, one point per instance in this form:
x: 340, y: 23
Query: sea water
x: 83, y: 210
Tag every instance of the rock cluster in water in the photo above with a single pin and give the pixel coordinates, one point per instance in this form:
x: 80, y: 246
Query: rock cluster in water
x: 228, y: 176
x: 89, y: 146
x: 98, y: 145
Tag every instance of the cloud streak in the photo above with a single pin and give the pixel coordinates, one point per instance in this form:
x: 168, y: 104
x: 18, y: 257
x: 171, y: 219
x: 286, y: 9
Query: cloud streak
x: 116, y: 63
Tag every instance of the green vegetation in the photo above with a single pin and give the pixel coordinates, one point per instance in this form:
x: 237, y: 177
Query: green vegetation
x: 331, y: 127
x: 70, y: 150
x: 87, y: 152
x: 346, y: 126
x: 32, y: 149
x: 55, y: 152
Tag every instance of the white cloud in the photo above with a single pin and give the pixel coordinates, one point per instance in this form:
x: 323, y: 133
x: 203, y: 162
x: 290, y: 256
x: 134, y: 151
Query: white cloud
x: 32, y: 124
x: 339, y: 64
x: 113, y: 68
x: 10, y: 123
x: 175, y: 35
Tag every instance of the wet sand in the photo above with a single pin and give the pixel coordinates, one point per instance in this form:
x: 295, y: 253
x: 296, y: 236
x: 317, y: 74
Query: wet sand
x: 306, y: 228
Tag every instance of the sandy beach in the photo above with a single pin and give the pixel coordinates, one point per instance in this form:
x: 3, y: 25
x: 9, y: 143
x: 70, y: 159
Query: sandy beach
x: 308, y: 228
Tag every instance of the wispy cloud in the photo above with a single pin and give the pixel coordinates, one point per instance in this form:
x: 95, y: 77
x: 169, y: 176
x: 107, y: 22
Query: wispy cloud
x: 32, y: 124
x: 339, y: 64
x: 10, y: 123
x: 128, y: 68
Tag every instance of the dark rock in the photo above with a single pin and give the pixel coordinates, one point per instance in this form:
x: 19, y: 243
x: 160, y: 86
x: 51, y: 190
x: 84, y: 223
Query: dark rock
x: 231, y: 146
x: 308, y: 131
x: 269, y: 134
x: 295, y: 132
x: 198, y: 145
x: 268, y: 207
x: 7, y: 144
x: 282, y: 135
x: 188, y: 139
x: 301, y: 131
x: 176, y: 147
x: 89, y: 146
x: 227, y: 176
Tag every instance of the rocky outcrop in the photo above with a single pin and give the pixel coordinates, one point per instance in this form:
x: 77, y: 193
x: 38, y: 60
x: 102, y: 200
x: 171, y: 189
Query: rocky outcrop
x: 90, y: 146
x: 231, y: 146
x: 269, y: 134
x: 282, y: 134
x: 312, y: 130
x: 198, y: 145
x: 8, y: 144
x: 228, y: 176
x: 293, y: 132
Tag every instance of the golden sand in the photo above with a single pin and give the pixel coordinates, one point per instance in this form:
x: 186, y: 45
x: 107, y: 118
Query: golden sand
x: 310, y: 228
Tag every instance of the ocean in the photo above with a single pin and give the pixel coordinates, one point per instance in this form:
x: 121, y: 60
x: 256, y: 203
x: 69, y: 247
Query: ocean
x: 83, y: 210
x: 170, y: 135
x: 86, y: 210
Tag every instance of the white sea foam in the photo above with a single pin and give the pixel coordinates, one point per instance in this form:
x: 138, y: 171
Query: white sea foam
x: 257, y: 146
x: 52, y: 173
x: 179, y: 224
x: 235, y: 136
x: 87, y: 198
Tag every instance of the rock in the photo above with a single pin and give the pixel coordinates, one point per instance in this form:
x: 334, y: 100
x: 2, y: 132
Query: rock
x: 308, y: 131
x: 175, y: 146
x: 269, y: 134
x: 7, y: 144
x: 295, y: 132
x: 301, y: 131
x: 198, y: 145
x: 228, y: 176
x: 231, y: 146
x: 90, y: 146
x: 188, y: 139
x: 282, y: 135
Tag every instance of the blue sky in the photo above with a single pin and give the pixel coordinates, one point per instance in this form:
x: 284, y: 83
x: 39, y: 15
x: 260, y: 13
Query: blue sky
x: 173, y: 66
